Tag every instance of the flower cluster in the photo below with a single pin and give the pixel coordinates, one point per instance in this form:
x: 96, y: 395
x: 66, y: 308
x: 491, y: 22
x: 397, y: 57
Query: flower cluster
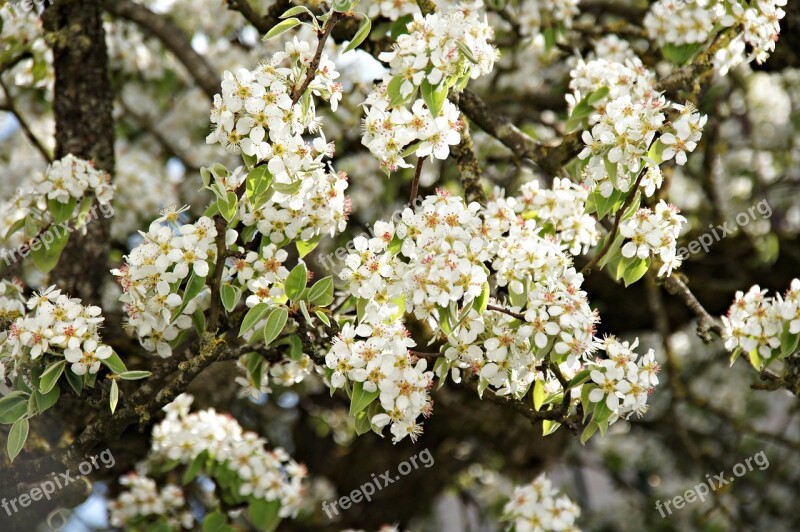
x: 438, y: 51
x: 318, y: 207
x: 690, y: 22
x: 442, y: 46
x: 55, y: 324
x: 623, y: 380
x: 388, y: 130
x: 375, y: 355
x: 654, y: 233
x: 538, y: 506
x: 434, y: 264
x: 66, y: 181
x: 259, y: 114
x: 260, y: 273
x: 760, y: 324
x: 272, y: 476
x: 618, y: 145
x: 535, y: 15
x: 628, y: 78
x: 681, y: 22
x: 153, y: 270
x: 142, y: 501
x: 563, y: 210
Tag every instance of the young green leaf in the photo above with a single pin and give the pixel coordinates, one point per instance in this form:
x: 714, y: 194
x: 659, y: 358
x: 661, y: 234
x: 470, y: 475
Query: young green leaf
x: 17, y: 437
x: 276, y: 320
x: 321, y: 293
x: 113, y: 398
x: 13, y: 406
x: 50, y: 376
x: 361, y: 398
x: 134, y: 375
x: 296, y: 282
x: 280, y: 28
x: 361, y: 34
x: 230, y: 296
x: 253, y: 316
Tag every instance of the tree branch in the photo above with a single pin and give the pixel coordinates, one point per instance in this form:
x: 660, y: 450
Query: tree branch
x: 549, y: 158
x: 172, y: 37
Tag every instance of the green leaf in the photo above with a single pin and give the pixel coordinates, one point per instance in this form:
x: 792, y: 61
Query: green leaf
x: 113, y: 398
x: 538, y: 394
x: 466, y: 52
x: 76, y: 381
x: 215, y: 522
x: 227, y: 208
x: 276, y: 320
x: 304, y: 311
x: 361, y: 398
x: 61, y: 212
x: 633, y: 269
x: 17, y: 437
x: 393, y: 91
x: 579, y: 379
x: 361, y: 34
x: 588, y: 432
x: 481, y: 302
x: 789, y: 342
x: 296, y: 282
x: 296, y: 11
x: 362, y: 424
x: 258, y: 186
x: 304, y: 247
x: 199, y: 321
x: 288, y: 189
x: 434, y: 96
x: 601, y: 411
x: 549, y: 426
x: 265, y: 514
x: 594, y: 97
x: 253, y: 316
x: 278, y: 29
x: 193, y: 288
x: 134, y: 375
x: 680, y: 55
x: 115, y: 364
x: 323, y: 317
x: 46, y: 257
x: 13, y: 406
x: 194, y: 468
x: 321, y: 293
x: 50, y: 376
x: 45, y: 401
x: 230, y: 296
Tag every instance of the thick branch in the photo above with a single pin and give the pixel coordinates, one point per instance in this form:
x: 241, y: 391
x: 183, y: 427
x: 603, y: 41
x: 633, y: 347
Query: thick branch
x: 549, y: 158
x: 172, y: 37
x: 468, y: 167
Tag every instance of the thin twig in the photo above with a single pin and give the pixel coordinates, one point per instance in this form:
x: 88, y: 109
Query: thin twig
x: 617, y: 219
x: 312, y: 67
x: 11, y: 108
x: 506, y: 311
x: 415, y: 182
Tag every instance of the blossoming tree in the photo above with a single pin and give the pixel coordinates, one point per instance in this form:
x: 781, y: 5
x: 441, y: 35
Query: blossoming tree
x: 348, y: 231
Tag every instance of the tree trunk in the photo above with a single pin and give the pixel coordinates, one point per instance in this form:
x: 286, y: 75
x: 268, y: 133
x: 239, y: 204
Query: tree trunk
x: 83, y: 106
